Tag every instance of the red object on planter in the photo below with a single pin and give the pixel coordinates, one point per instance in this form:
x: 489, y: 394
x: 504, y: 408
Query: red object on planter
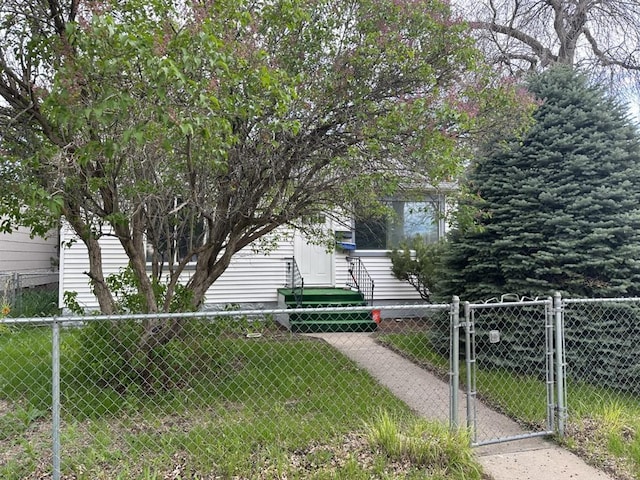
x: 375, y: 314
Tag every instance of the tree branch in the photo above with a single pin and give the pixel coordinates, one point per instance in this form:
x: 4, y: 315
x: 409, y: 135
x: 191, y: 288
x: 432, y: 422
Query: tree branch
x: 605, y: 59
x: 546, y: 56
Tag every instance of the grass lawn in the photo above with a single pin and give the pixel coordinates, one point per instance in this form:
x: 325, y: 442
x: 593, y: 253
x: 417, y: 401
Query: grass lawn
x: 603, y: 426
x: 278, y: 406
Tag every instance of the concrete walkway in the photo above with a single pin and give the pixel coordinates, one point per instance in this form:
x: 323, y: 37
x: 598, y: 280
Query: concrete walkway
x: 427, y: 395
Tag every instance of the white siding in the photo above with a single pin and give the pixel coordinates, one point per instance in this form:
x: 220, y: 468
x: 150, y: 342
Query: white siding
x: 386, y: 286
x: 74, y: 262
x: 251, y: 278
x: 20, y: 253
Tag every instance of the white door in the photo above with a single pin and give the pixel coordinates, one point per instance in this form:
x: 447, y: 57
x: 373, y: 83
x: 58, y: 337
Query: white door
x: 314, y: 262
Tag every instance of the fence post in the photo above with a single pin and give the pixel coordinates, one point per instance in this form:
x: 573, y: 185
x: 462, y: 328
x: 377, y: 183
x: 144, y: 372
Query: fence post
x: 15, y: 288
x: 55, y: 398
x: 454, y: 362
x: 550, y: 364
x: 470, y: 358
x: 17, y: 295
x: 560, y: 370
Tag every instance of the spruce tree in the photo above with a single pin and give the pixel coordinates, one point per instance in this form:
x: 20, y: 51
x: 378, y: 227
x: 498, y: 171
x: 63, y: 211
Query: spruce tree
x: 560, y: 207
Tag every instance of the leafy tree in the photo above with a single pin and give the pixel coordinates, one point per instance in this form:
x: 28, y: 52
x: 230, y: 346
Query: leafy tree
x: 558, y: 209
x: 218, y: 122
x: 215, y: 121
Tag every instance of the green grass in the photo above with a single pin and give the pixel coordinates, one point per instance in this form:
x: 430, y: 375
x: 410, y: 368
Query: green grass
x: 35, y: 303
x: 519, y: 396
x: 25, y: 376
x: 25, y: 393
x: 603, y: 424
x: 431, y: 445
x: 276, y: 406
x: 418, y: 347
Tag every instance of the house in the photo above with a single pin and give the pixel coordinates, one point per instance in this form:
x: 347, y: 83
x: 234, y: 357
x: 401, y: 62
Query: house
x: 255, y: 279
x: 32, y: 261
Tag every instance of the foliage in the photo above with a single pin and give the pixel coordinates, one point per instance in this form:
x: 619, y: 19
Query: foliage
x: 127, y: 365
x: 559, y: 212
x: 420, y: 264
x: 5, y: 310
x: 215, y: 123
x: 598, y: 345
x: 423, y: 443
x: 5, y: 305
x: 125, y: 287
x: 72, y: 304
x: 31, y: 303
x: 106, y: 355
x: 558, y: 209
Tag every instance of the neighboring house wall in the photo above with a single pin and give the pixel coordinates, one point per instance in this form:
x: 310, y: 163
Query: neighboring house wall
x: 20, y: 253
x: 253, y: 278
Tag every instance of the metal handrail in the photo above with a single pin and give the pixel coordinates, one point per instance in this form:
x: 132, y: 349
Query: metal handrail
x: 294, y: 280
x: 360, y: 279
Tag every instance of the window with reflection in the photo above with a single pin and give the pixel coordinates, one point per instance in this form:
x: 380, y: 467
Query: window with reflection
x: 405, y: 220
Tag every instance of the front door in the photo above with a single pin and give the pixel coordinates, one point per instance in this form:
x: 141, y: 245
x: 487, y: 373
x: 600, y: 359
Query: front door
x: 314, y: 262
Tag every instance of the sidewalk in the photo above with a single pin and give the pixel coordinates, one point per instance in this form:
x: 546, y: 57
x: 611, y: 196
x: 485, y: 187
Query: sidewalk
x: 530, y: 459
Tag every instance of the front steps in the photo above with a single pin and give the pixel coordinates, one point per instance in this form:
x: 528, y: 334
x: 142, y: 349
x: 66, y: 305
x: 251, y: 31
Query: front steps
x: 314, y: 297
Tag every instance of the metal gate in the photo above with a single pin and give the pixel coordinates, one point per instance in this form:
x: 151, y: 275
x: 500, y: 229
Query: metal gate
x: 509, y: 349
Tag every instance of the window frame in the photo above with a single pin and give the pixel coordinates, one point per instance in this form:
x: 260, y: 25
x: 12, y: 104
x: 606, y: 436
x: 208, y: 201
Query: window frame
x: 177, y: 242
x: 437, y: 200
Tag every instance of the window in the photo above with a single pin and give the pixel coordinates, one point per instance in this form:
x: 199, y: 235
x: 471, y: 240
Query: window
x: 174, y: 236
x: 406, y: 219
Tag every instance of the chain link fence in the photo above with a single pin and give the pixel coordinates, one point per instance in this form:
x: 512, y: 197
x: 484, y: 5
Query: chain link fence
x: 237, y: 394
x: 13, y: 283
x: 602, y: 357
x: 230, y: 394
x: 509, y: 353
x: 602, y: 345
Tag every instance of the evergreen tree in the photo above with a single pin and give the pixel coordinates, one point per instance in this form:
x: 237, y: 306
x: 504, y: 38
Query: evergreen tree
x: 559, y: 208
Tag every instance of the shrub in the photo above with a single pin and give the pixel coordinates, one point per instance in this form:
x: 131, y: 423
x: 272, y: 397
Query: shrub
x: 420, y: 264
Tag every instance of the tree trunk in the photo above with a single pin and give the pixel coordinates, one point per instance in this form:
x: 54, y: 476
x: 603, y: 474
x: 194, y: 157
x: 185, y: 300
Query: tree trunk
x: 94, y: 251
x: 100, y: 288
